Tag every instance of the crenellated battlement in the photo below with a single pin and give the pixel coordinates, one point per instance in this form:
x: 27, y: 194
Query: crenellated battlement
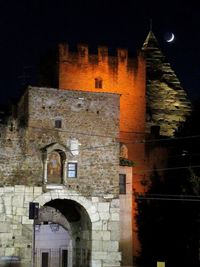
x: 82, y: 55
x: 107, y: 71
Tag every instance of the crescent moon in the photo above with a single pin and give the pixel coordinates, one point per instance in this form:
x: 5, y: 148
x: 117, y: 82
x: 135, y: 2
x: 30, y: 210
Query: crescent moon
x: 171, y: 39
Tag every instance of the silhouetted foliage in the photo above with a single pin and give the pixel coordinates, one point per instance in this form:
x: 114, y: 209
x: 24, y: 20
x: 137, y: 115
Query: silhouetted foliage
x: 168, y: 216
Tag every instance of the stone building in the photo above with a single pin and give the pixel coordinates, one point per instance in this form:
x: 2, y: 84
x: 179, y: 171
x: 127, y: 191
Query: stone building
x: 60, y: 149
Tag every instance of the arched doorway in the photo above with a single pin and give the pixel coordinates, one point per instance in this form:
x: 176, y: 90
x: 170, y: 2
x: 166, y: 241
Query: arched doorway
x: 62, y: 235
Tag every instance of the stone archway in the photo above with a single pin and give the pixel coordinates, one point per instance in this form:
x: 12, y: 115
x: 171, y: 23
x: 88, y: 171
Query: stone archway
x: 53, y: 239
x: 75, y: 220
x: 100, y: 234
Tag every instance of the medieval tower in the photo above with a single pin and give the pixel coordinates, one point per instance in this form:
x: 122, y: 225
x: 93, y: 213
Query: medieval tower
x: 63, y: 150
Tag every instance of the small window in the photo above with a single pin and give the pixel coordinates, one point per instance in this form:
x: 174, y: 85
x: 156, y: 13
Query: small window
x: 98, y: 83
x: 72, y: 170
x: 122, y: 183
x: 58, y: 123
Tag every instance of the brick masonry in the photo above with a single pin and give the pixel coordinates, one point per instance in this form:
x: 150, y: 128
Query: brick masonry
x: 29, y: 136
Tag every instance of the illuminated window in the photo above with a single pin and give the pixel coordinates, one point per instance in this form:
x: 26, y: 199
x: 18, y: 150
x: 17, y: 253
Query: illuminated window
x: 122, y: 183
x: 72, y: 170
x: 98, y: 83
x: 58, y: 123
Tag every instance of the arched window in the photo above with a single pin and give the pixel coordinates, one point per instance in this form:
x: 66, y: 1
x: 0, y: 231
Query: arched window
x: 55, y: 163
x: 54, y: 168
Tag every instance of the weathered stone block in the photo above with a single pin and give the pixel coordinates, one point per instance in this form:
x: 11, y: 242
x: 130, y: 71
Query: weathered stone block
x: 8, y: 210
x: 95, y: 199
x: 97, y: 245
x: 9, y: 189
x: 115, y: 235
x: 21, y: 211
x: 97, y: 225
x: 17, y: 219
x: 103, y: 207
x: 96, y: 235
x: 2, y: 190
x: 7, y: 199
x: 2, y: 217
x: 99, y: 255
x: 29, y: 190
x: 105, y: 225
x: 17, y: 201
x: 106, y: 235
x: 115, y: 217
x: 2, y: 208
x: 113, y: 226
x: 4, y: 227
x: 92, y: 209
x: 96, y: 263
x: 95, y: 217
x: 110, y: 246
x: 104, y: 215
x: 9, y: 251
x: 19, y: 188
x: 111, y: 263
x: 26, y: 220
x: 115, y: 203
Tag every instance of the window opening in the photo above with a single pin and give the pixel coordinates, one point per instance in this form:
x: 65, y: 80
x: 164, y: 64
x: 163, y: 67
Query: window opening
x: 122, y: 183
x: 98, y: 83
x: 72, y: 170
x: 58, y: 123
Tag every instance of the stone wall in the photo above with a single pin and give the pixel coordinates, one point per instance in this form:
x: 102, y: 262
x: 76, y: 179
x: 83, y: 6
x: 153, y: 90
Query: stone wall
x: 119, y: 74
x: 16, y: 229
x: 87, y: 134
x: 91, y: 119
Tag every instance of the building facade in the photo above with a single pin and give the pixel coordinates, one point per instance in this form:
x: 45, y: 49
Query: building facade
x: 60, y: 149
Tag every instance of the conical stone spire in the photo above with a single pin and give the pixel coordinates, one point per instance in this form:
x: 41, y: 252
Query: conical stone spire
x: 167, y: 102
x: 151, y: 41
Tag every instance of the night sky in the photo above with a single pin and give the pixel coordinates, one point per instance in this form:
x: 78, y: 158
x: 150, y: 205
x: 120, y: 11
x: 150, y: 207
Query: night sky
x: 29, y: 29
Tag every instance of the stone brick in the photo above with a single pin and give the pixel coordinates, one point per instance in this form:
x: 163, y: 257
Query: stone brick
x: 96, y: 235
x: 19, y: 188
x: 2, y: 190
x: 97, y: 245
x: 4, y: 227
x: 115, y: 235
x: 103, y: 207
x: 115, y: 217
x: 104, y: 215
x: 95, y: 199
x: 92, y: 209
x: 97, y: 225
x: 95, y: 217
x: 105, y: 235
x: 113, y: 226
x: 105, y: 225
x: 26, y: 220
x: 110, y: 246
x: 2, y: 208
x: 98, y: 255
x: 9, y: 251
x: 17, y: 201
x: 115, y: 203
x: 8, y: 210
x: 9, y: 189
